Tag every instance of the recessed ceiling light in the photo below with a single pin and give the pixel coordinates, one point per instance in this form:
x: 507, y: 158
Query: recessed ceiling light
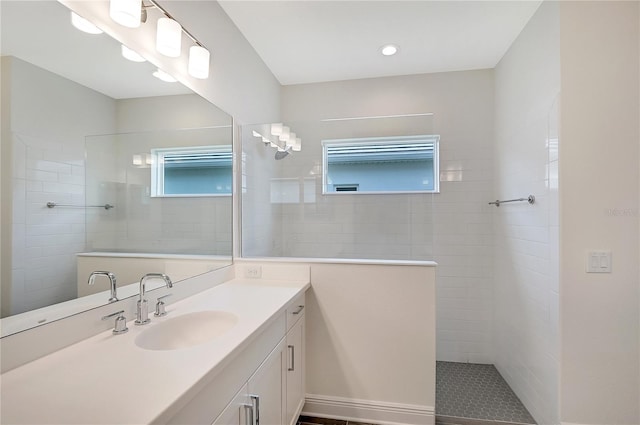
x: 389, y: 50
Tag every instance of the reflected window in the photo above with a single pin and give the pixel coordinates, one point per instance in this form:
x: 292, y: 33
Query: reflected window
x: 192, y: 171
x: 381, y: 165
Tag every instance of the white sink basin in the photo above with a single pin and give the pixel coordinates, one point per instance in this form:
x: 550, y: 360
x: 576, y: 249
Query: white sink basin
x: 185, y: 331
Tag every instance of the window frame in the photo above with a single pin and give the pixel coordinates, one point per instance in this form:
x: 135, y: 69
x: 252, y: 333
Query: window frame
x: 158, y: 168
x: 387, y: 140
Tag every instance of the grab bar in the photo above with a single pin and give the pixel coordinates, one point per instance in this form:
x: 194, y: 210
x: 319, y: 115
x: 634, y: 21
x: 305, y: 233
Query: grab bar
x: 105, y: 206
x: 530, y: 199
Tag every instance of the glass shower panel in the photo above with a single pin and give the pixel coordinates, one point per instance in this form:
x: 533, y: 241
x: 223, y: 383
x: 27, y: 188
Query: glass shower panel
x: 286, y: 214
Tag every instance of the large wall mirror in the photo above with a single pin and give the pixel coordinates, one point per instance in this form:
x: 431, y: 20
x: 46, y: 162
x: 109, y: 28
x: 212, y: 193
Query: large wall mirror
x: 107, y: 165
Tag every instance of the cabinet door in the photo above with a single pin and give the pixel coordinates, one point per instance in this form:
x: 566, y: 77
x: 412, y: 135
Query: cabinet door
x: 267, y: 388
x: 237, y: 412
x: 295, y: 370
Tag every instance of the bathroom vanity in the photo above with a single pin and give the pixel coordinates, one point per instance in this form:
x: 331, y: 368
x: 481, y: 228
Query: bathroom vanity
x: 229, y: 355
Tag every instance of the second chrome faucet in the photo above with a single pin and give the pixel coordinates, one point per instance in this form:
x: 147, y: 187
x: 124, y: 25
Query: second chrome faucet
x: 142, y: 316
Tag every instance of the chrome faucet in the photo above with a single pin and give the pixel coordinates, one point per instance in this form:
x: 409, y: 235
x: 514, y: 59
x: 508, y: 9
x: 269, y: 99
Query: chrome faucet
x: 112, y: 280
x: 142, y: 317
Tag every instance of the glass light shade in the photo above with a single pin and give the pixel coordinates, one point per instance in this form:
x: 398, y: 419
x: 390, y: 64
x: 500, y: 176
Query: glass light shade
x: 199, y: 62
x: 126, y: 12
x: 276, y: 129
x: 168, y: 37
x: 131, y: 55
x: 137, y: 160
x: 83, y: 25
x: 160, y: 74
x: 297, y: 145
x: 284, y: 136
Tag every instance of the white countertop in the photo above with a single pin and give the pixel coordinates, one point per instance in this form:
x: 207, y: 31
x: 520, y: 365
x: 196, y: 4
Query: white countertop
x: 108, y: 379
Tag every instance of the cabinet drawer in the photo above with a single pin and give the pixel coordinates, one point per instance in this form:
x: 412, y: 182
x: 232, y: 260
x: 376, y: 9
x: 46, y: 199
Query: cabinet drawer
x: 295, y: 310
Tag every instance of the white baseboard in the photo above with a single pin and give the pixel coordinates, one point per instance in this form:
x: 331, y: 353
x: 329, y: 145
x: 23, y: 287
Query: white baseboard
x: 373, y: 412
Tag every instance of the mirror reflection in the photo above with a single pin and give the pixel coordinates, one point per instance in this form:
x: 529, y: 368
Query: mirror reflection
x: 107, y: 165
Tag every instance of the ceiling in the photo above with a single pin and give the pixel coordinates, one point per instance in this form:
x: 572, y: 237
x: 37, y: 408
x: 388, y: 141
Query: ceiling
x: 307, y: 41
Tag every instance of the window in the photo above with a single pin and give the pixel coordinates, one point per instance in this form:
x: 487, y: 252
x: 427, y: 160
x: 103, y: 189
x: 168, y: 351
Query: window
x: 193, y: 171
x: 381, y: 165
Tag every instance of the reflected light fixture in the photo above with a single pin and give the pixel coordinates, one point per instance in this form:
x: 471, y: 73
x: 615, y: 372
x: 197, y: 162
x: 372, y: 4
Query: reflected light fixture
x: 276, y: 129
x: 389, y: 50
x: 284, y: 135
x: 131, y: 55
x: 161, y: 75
x: 127, y: 13
x: 199, y: 58
x: 83, y: 25
x: 169, y: 37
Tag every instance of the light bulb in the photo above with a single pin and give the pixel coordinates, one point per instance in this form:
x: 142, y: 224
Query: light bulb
x: 389, y: 50
x: 199, y: 62
x: 168, y: 37
x: 83, y: 25
x: 126, y: 12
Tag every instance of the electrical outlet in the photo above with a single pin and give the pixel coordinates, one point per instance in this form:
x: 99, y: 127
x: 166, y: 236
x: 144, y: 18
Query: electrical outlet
x: 253, y: 272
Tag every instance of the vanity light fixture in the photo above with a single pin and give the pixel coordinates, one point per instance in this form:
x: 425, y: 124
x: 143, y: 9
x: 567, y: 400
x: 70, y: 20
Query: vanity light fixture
x: 83, y: 25
x: 127, y: 13
x: 131, y: 55
x: 161, y: 75
x: 389, y: 50
x: 286, y: 140
x: 131, y: 13
x: 169, y: 37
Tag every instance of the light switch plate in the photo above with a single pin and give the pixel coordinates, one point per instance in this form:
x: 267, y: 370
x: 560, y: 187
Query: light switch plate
x: 599, y: 261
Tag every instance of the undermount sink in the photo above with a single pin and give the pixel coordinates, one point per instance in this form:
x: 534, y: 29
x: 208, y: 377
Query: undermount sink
x: 186, y: 331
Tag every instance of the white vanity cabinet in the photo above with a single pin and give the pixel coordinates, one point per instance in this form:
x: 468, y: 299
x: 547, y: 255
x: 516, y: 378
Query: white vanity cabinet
x: 270, y: 373
x: 261, y: 399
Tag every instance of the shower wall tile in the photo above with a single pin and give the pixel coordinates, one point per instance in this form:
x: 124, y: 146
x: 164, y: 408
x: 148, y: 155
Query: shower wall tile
x: 526, y: 238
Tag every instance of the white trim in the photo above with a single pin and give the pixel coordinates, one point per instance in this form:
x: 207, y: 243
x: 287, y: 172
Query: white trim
x: 374, y: 412
x: 372, y: 262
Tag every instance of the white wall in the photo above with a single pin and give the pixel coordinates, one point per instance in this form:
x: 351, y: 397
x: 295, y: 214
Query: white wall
x: 598, y: 200
x: 50, y: 116
x: 453, y: 227
x: 526, y: 287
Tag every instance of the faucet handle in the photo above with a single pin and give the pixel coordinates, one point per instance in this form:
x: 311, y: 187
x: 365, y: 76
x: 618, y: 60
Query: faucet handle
x: 160, y: 306
x: 121, y: 322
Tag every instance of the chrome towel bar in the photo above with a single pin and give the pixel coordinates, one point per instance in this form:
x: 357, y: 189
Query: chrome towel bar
x: 105, y: 206
x: 531, y: 199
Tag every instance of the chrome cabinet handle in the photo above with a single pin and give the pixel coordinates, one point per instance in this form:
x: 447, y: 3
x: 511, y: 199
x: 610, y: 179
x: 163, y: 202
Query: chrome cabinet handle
x: 255, y: 404
x: 248, y: 409
x: 292, y: 353
x: 299, y: 310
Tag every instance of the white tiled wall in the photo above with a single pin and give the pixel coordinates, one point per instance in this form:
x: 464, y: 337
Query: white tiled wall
x: 47, y: 165
x: 526, y: 257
